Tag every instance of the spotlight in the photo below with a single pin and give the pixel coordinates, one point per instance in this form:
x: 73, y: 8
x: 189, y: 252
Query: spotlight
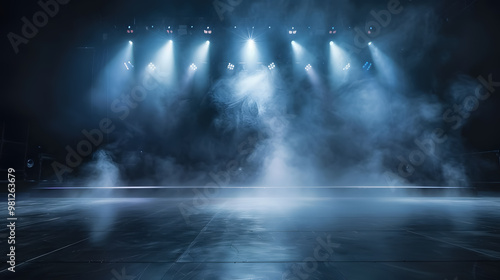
x: 130, y: 42
x: 308, y: 67
x: 293, y: 42
x: 369, y: 43
x: 129, y: 29
x: 169, y: 30
x: 251, y: 41
x: 151, y: 66
x: 331, y: 43
x: 333, y: 31
x: 292, y: 31
x: 271, y: 66
x: 347, y: 67
x: 230, y: 66
x: 170, y: 41
x: 208, y: 30
x: 30, y: 163
x: 193, y: 67
x: 207, y: 42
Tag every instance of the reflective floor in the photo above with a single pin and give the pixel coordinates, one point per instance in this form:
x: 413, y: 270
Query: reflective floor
x: 205, y: 237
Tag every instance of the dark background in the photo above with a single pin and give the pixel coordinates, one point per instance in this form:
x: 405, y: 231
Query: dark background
x: 45, y: 87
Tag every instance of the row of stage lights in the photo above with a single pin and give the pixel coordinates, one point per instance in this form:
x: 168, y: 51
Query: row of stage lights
x: 230, y: 66
x: 249, y: 40
x: 188, y: 29
x: 194, y: 67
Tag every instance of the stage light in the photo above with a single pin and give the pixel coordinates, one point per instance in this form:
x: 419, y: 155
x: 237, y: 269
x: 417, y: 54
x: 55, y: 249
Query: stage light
x: 331, y: 43
x: 271, y: 66
x: 30, y: 163
x: 332, y: 31
x: 151, y: 66
x: 169, y: 30
x: 308, y: 67
x: 230, y: 66
x: 367, y: 66
x: 292, y: 31
x: 293, y: 42
x: 207, y: 31
x: 193, y: 67
x: 130, y: 42
x: 369, y: 43
x: 347, y: 67
x: 250, y: 53
x: 201, y: 54
x: 128, y: 65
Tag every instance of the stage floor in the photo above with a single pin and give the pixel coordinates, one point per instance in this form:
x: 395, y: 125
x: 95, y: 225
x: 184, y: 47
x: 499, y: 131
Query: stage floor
x: 209, y: 237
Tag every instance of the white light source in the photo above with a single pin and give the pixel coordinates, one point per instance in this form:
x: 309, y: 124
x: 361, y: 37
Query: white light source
x: 193, y: 67
x: 308, y: 67
x: 369, y: 43
x: 331, y: 43
x: 130, y: 42
x: 207, y: 42
x: 271, y: 66
x: 230, y: 66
